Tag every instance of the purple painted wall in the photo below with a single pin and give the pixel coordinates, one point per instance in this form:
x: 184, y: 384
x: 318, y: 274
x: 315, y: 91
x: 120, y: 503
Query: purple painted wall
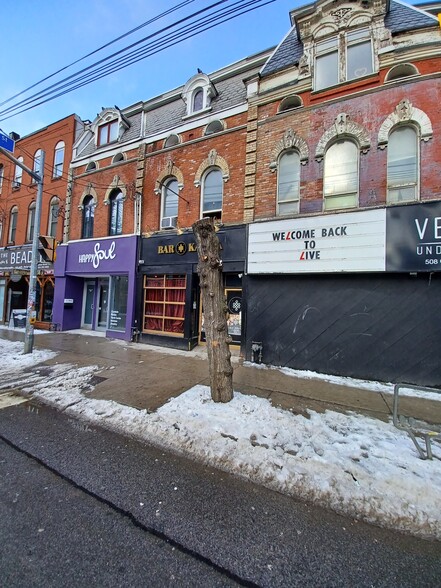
x: 89, y: 259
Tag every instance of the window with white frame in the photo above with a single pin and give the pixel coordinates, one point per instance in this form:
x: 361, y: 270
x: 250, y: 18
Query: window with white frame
x: 288, y: 183
x: 88, y: 217
x: 402, y: 165
x: 13, y: 217
x: 1, y: 176
x: 169, y: 204
x: 54, y: 212
x: 37, y: 163
x: 197, y: 100
x: 58, y: 160
x: 116, y: 202
x: 31, y: 222
x: 340, y: 181
x: 18, y: 174
x: 212, y: 193
x: 343, y: 58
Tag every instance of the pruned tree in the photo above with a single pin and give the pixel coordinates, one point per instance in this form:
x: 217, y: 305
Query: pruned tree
x: 215, y: 310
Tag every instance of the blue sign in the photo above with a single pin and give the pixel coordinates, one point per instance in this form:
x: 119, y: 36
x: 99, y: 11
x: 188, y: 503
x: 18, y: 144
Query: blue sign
x: 6, y: 142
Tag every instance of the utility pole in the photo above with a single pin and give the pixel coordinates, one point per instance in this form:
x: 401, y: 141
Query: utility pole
x: 30, y: 314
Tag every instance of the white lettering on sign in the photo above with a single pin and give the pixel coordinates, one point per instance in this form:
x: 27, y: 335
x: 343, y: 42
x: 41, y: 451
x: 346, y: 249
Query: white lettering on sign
x: 97, y: 255
x: 436, y: 227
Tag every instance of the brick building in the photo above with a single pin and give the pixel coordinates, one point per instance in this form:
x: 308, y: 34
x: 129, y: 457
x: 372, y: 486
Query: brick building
x: 142, y: 176
x: 343, y: 192
x: 18, y: 193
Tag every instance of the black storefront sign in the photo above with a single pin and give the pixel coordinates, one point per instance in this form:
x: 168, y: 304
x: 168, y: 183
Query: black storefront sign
x: 165, y: 250
x: 413, y: 238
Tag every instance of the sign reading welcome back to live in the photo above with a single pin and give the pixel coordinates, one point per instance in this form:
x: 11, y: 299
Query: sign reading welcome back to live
x: 401, y: 238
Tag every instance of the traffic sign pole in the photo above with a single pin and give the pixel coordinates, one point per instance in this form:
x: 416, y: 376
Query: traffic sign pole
x: 32, y: 293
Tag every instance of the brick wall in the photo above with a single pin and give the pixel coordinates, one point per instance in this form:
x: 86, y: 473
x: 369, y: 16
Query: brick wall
x: 46, y: 139
x: 368, y: 109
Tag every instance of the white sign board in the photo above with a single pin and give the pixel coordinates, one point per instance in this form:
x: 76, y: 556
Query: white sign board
x: 346, y: 242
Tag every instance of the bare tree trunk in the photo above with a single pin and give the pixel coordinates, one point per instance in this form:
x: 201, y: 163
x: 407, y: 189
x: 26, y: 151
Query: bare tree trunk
x: 215, y: 310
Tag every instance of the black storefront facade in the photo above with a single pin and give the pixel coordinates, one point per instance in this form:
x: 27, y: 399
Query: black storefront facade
x: 353, y: 294
x: 169, y: 311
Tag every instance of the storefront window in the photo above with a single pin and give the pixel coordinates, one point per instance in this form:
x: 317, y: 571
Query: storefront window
x: 118, y: 302
x: 164, y: 304
x: 2, y: 298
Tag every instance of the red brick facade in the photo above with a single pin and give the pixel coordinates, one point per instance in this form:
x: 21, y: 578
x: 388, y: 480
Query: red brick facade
x: 369, y: 107
x: 21, y: 196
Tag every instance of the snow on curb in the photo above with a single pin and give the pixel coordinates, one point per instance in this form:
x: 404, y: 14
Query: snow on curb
x: 355, y: 465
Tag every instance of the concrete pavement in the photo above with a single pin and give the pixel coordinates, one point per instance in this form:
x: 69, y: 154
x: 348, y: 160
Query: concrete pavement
x: 145, y: 377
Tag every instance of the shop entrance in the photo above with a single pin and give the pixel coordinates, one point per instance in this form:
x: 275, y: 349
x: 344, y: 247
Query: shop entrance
x: 88, y: 304
x: 233, y: 297
x: 103, y: 304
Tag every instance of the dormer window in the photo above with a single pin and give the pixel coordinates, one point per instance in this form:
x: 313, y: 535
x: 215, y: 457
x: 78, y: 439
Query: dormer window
x: 198, y: 100
x: 198, y: 93
x: 343, y: 58
x: 108, y: 133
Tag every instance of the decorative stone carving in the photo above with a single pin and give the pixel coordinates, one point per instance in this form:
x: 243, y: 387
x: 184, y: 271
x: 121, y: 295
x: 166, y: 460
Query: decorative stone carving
x: 343, y: 127
x: 405, y: 112
x: 169, y: 171
x: 341, y: 16
x: 212, y: 160
x: 290, y: 140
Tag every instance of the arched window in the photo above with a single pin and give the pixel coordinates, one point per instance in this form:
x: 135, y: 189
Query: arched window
x: 198, y: 100
x: 402, y: 165
x: 403, y: 70
x: 169, y: 204
x: 288, y: 183
x: 37, y: 163
x: 58, y: 159
x: 54, y: 210
x: 91, y: 166
x: 215, y: 126
x: 18, y: 175
x: 118, y: 157
x: 31, y: 222
x: 88, y: 214
x: 340, y: 182
x: 212, y: 193
x: 116, y: 202
x: 290, y: 102
x: 13, y: 216
x: 171, y: 141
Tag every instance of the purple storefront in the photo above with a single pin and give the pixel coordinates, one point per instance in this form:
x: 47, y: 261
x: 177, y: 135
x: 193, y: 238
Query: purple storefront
x: 95, y: 285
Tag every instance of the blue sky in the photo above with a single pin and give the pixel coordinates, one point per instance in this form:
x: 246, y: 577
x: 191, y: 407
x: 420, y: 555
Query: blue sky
x: 42, y: 37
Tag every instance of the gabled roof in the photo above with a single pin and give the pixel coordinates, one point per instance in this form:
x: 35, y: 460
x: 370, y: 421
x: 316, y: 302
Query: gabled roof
x: 400, y: 18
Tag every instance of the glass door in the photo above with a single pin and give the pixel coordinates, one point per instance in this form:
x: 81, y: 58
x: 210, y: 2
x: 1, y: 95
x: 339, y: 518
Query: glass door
x: 88, y: 304
x: 103, y: 304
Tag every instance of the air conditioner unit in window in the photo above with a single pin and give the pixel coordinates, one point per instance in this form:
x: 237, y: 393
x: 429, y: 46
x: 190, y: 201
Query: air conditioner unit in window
x: 169, y: 222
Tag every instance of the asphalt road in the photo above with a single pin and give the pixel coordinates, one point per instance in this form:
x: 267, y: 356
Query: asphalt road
x: 83, y: 506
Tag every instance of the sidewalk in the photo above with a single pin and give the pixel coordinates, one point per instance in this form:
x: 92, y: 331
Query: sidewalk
x: 146, y: 377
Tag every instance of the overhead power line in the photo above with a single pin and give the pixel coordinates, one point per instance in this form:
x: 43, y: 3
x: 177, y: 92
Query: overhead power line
x: 166, y: 37
x: 144, y: 24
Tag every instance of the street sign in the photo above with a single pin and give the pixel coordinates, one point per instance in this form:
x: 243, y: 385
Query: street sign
x: 6, y: 142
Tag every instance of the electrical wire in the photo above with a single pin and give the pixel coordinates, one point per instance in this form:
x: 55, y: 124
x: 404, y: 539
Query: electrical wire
x: 172, y: 38
x: 144, y: 24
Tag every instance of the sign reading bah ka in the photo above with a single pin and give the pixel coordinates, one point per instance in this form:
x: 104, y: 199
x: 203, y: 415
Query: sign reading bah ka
x: 413, y: 238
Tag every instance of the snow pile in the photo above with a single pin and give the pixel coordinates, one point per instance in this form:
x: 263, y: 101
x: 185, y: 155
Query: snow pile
x: 356, y: 465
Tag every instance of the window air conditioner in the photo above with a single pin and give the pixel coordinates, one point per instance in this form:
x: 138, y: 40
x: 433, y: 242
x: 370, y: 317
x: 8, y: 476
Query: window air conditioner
x: 169, y: 222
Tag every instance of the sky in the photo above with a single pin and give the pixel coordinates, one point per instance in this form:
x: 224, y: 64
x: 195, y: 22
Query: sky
x: 355, y: 465
x: 43, y: 37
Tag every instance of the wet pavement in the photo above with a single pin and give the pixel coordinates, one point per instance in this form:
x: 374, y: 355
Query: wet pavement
x: 145, y: 377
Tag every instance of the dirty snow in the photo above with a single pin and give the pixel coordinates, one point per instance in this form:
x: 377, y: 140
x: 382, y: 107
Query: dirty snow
x: 356, y: 465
